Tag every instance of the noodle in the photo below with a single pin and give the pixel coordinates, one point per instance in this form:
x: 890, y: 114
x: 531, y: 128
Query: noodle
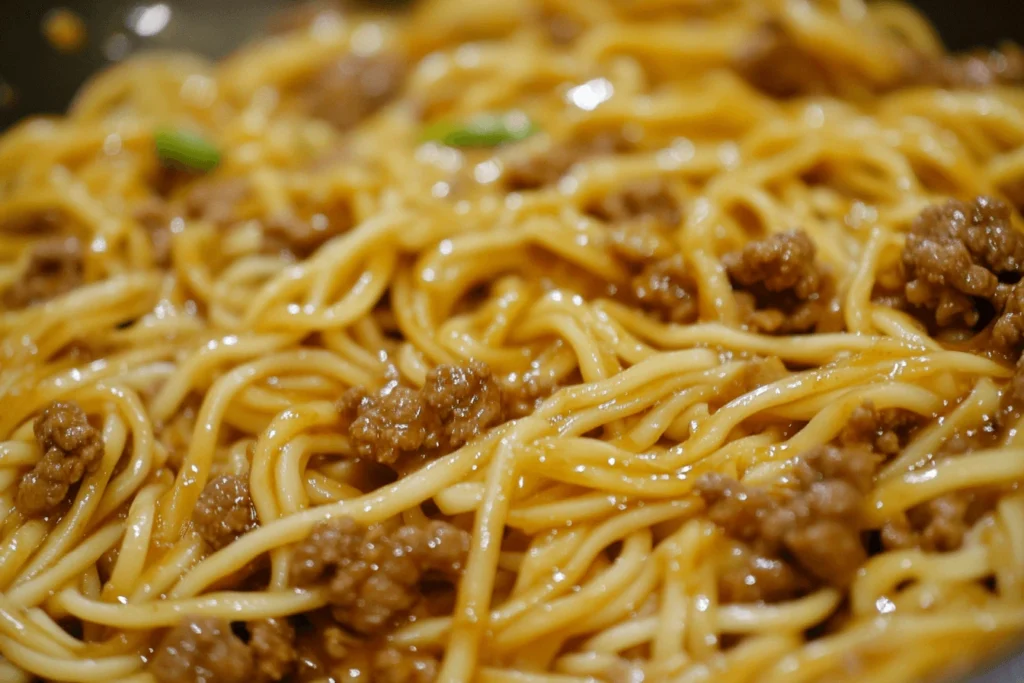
x: 665, y: 340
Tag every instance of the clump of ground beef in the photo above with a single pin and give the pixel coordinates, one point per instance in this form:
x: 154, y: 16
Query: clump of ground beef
x: 224, y: 511
x: 272, y: 647
x: 301, y: 237
x: 457, y: 403
x: 374, y: 574
x: 940, y: 524
x: 71, y: 448
x: 641, y: 217
x: 778, y: 66
x: 351, y: 88
x: 794, y: 538
x: 201, y: 650
x: 956, y: 255
x: 643, y: 199
x: 779, y: 286
x: 885, y: 431
x: 543, y: 168
x: 56, y: 265
x: 970, y: 71
x: 666, y: 289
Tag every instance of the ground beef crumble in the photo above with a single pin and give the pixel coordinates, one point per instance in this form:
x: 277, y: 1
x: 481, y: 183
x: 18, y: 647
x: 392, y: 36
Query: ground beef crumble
x: 224, y: 511
x: 794, y: 538
x: 885, y: 431
x: 374, y: 574
x: 351, y: 88
x: 546, y: 167
x: 940, y: 524
x: 956, y: 255
x: 71, y: 448
x: 666, y: 289
x: 272, y: 646
x: 56, y: 265
x: 457, y: 403
x: 201, y: 650
x: 779, y: 287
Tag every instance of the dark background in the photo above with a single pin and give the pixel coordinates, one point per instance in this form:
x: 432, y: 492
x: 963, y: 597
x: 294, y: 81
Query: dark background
x: 43, y: 80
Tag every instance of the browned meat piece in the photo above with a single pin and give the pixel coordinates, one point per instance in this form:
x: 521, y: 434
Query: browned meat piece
x: 216, y: 200
x: 373, y: 574
x: 467, y: 399
x: 1008, y: 330
x: 272, y: 645
x: 384, y: 427
x: 784, y: 261
x: 547, y: 167
x: 645, y: 199
x: 522, y: 397
x: 56, y: 266
x: 971, y: 71
x: 665, y: 289
x: 349, y: 89
x: 954, y: 256
x: 815, y: 529
x: 456, y: 404
x: 939, y: 525
x: 392, y: 665
x: 201, y: 650
x: 773, y: 63
x: 783, y: 291
x: 224, y: 511
x: 747, y: 577
x: 884, y: 431
x: 155, y: 215
x: 559, y: 27
x: 71, y: 447
x: 303, y: 237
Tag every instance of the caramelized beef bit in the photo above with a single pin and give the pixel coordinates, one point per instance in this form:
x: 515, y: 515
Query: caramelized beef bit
x: 547, y: 167
x: 457, y: 404
x: 155, y: 216
x: 782, y: 262
x: 523, y: 397
x: 783, y: 291
x: 884, y: 431
x: 467, y: 399
x: 302, y: 238
x: 373, y: 574
x: 201, y: 650
x: 216, y: 200
x: 776, y: 65
x: 955, y: 255
x: 71, y: 448
x: 940, y: 524
x: 1008, y: 330
x: 643, y: 199
x: 386, y: 426
x: 349, y: 89
x: 974, y: 70
x: 56, y: 266
x: 272, y: 646
x: 816, y: 528
x: 224, y: 511
x: 665, y: 289
x: 392, y: 665
x: 747, y: 577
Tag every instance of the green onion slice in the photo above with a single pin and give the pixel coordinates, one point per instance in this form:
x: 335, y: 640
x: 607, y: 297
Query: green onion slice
x: 487, y: 130
x: 185, y: 149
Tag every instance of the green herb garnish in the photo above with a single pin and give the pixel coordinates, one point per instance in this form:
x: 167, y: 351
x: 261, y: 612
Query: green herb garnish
x: 487, y: 130
x: 186, y: 150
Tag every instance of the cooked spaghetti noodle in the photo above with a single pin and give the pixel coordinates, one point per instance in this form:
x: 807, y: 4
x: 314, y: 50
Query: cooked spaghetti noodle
x: 664, y: 340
